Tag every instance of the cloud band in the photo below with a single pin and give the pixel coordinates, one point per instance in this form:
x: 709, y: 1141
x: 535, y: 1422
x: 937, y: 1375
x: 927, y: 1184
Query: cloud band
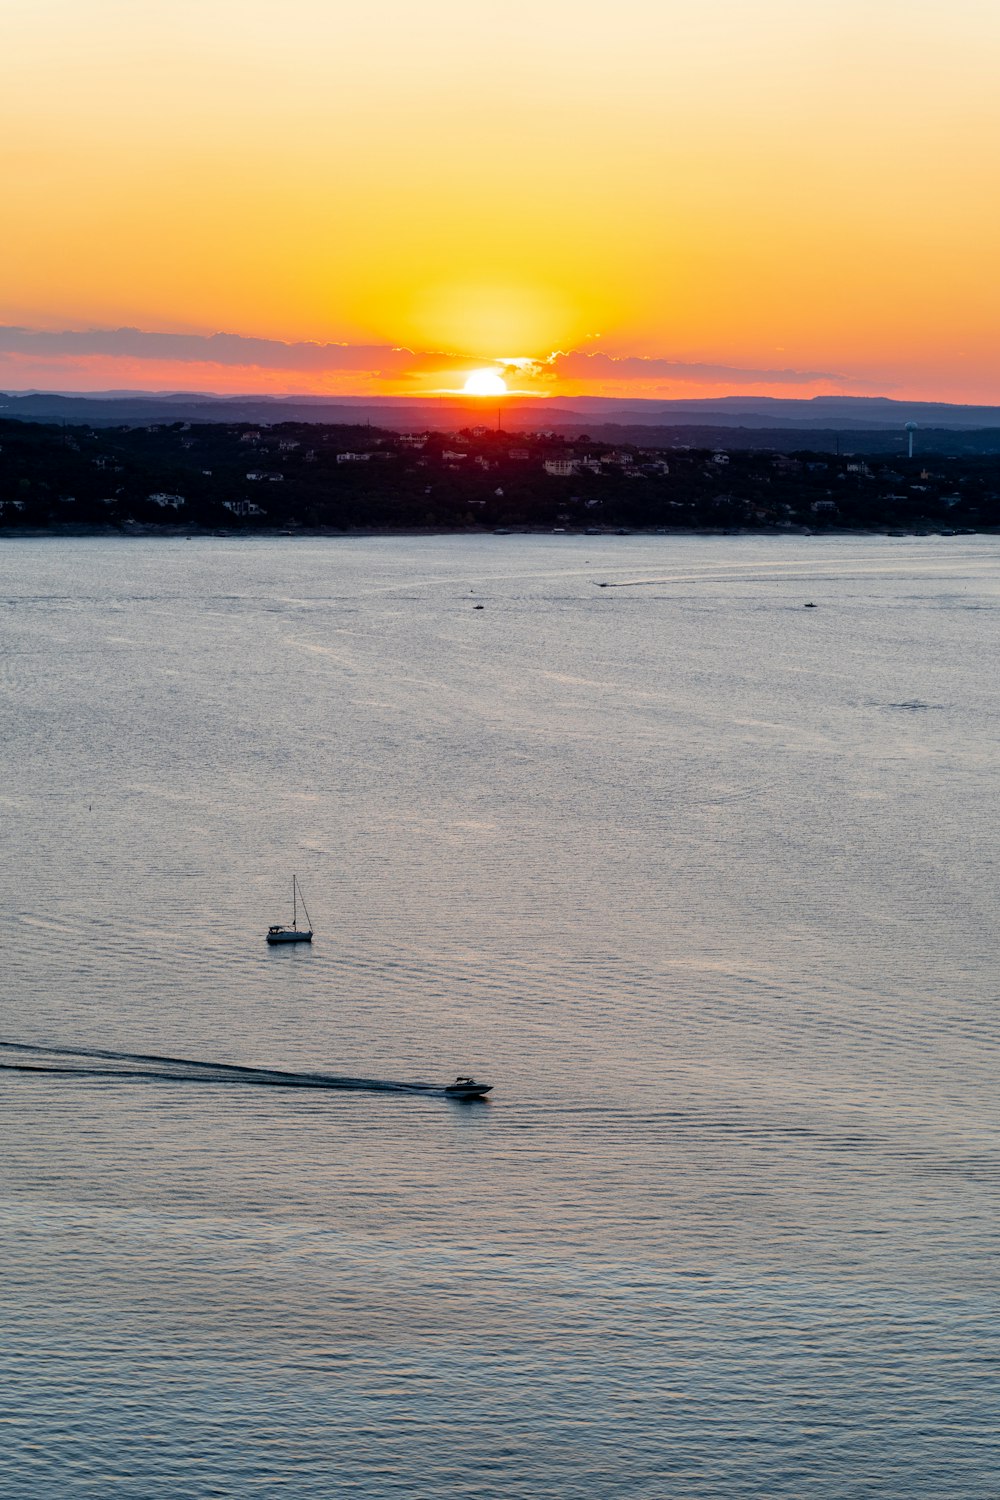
x: 373, y: 361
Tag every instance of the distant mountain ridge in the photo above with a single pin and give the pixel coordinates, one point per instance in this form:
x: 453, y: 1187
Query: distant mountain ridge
x: 828, y: 413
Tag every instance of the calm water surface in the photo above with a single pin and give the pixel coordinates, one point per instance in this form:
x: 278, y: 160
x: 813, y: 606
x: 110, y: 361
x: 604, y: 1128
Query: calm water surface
x: 702, y: 881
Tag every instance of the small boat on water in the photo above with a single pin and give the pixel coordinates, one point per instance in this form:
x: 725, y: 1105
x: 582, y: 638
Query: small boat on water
x: 467, y: 1088
x: 295, y: 933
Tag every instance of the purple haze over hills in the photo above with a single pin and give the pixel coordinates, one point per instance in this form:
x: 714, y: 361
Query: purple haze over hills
x: 843, y: 413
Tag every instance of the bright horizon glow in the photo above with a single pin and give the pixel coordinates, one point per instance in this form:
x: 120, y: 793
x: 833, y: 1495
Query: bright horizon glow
x: 485, y: 383
x: 646, y: 199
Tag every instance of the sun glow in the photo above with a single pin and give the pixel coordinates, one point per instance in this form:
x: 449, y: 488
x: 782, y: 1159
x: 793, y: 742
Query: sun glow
x: 485, y: 383
x: 461, y: 223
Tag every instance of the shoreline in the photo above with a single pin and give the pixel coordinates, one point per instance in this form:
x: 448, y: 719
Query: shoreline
x: 139, y: 531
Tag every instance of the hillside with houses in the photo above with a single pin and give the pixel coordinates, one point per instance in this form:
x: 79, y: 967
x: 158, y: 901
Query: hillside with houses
x: 311, y: 477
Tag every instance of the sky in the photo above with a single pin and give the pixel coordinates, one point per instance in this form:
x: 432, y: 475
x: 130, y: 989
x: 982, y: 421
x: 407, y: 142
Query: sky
x: 640, y: 198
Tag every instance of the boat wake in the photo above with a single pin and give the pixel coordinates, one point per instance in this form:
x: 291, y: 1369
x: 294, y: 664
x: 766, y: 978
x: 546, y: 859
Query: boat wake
x: 101, y: 1062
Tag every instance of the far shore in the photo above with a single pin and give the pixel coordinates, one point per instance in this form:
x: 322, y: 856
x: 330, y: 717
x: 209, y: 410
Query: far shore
x: 196, y: 533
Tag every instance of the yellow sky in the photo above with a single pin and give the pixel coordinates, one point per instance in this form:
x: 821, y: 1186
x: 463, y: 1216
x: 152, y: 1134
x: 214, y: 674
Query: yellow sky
x: 787, y: 185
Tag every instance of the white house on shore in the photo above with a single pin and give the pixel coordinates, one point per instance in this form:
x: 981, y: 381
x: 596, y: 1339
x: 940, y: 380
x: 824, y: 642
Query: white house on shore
x: 243, y: 508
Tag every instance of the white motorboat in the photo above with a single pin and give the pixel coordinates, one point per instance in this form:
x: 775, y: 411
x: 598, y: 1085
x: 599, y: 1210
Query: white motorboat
x: 295, y: 933
x: 467, y: 1088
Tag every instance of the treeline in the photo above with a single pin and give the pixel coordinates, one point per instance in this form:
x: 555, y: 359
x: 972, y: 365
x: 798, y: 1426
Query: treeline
x: 302, y: 475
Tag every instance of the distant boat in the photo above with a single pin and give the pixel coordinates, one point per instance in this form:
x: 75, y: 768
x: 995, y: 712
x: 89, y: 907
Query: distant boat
x: 467, y: 1088
x: 295, y: 933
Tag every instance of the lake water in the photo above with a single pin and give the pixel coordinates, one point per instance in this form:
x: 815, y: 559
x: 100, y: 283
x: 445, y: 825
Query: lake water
x: 702, y: 881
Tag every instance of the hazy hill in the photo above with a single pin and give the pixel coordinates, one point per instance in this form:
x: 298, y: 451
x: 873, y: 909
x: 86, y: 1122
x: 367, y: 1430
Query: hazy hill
x: 749, y: 421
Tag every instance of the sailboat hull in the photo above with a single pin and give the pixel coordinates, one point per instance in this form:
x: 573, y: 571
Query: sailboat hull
x: 277, y: 933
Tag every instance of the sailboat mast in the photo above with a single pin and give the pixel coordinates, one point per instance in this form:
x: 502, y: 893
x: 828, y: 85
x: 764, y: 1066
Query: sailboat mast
x: 308, y: 917
x: 295, y: 909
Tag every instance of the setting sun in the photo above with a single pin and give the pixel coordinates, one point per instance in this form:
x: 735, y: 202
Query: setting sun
x: 485, y: 383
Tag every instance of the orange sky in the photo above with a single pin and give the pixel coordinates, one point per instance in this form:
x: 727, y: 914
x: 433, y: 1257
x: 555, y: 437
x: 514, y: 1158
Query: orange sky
x: 784, y: 196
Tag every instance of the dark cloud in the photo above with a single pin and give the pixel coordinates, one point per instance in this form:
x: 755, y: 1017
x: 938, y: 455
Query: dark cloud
x: 239, y: 352
x: 580, y: 364
x: 217, y: 349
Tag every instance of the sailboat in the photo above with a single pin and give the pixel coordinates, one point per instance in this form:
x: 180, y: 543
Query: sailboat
x: 295, y: 933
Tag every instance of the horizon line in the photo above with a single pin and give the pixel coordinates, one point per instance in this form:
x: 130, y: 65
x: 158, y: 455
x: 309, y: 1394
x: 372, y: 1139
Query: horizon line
x: 439, y: 397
